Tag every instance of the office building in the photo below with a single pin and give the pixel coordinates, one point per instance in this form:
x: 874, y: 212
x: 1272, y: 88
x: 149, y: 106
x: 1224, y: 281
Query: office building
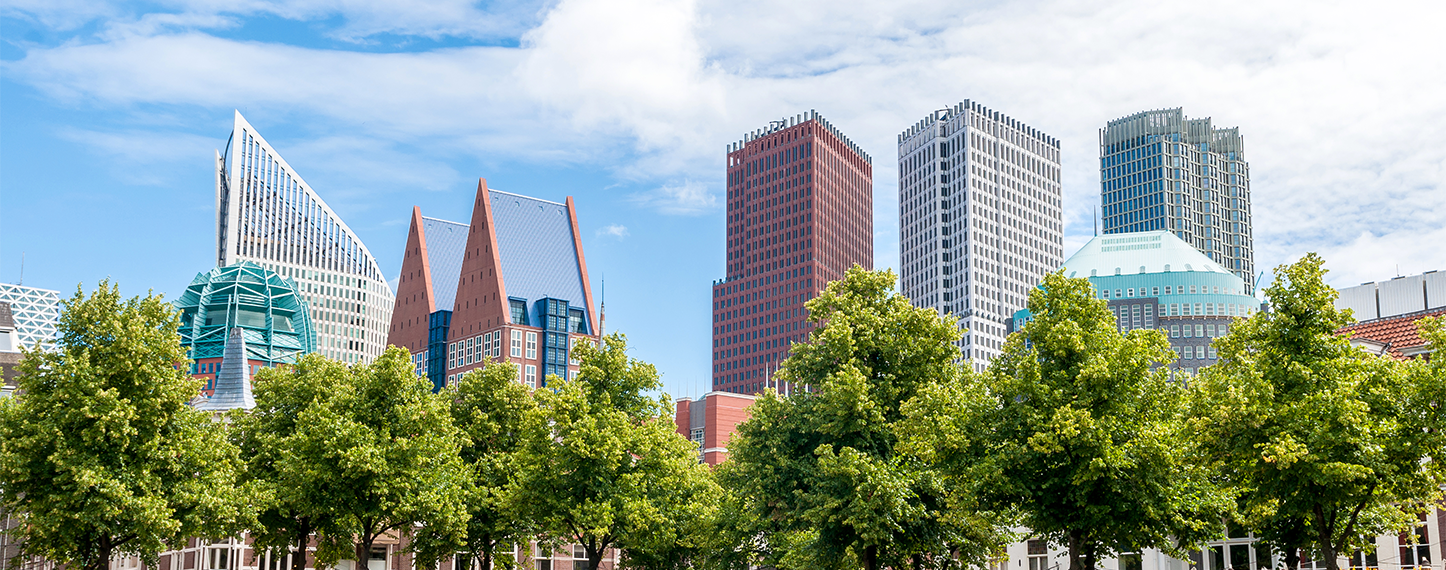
x: 509, y: 286
x: 800, y: 214
x: 1162, y: 171
x: 980, y: 219
x: 36, y: 313
x: 710, y: 420
x: 266, y: 214
x: 1154, y: 280
x: 264, y: 311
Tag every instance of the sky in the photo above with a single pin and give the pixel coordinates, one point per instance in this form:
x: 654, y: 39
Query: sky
x: 110, y: 114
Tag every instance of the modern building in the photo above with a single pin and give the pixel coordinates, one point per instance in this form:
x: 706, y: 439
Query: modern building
x: 36, y: 313
x: 9, y: 351
x: 267, y: 315
x: 510, y: 286
x: 800, y: 214
x: 266, y: 214
x: 1154, y: 280
x: 1162, y: 171
x: 710, y: 420
x: 1388, y: 313
x: 980, y: 219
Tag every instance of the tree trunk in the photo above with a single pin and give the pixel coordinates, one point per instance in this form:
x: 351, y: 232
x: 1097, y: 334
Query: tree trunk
x: 1074, y: 551
x: 103, y: 554
x: 871, y: 557
x: 487, y: 557
x: 1292, y: 558
x: 303, y: 540
x: 594, y: 556
x: 1090, y: 555
x: 364, y: 551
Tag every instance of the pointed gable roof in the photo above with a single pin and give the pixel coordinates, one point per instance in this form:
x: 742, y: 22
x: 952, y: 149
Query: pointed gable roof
x: 233, y: 382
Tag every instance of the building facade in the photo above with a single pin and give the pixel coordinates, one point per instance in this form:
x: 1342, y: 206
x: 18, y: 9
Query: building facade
x: 1388, y: 313
x: 266, y: 214
x: 1154, y: 280
x: 1162, y: 171
x: 710, y: 420
x: 36, y: 313
x: 509, y: 286
x: 980, y: 219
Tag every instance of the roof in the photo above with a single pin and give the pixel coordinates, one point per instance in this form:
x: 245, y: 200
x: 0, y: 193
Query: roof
x: 535, y: 242
x: 1138, y: 252
x: 233, y: 382
x: 1399, y: 333
x: 446, y: 246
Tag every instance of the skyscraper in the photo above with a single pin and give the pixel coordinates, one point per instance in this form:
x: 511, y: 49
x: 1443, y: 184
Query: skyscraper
x: 980, y: 218
x: 265, y: 213
x: 1162, y: 171
x: 800, y: 214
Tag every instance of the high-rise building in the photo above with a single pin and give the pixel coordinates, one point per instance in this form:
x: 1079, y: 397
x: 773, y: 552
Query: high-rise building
x: 36, y: 312
x: 800, y: 214
x: 1162, y: 171
x: 980, y: 219
x: 265, y: 213
x: 511, y: 286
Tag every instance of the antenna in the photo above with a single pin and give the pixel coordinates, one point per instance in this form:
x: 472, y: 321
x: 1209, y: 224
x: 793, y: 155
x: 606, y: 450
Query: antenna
x: 1095, y: 219
x: 602, y: 319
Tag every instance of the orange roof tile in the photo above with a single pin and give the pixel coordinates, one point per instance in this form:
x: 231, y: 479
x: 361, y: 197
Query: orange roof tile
x: 1399, y: 332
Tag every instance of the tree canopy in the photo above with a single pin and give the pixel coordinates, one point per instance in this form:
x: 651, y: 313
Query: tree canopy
x: 100, y: 455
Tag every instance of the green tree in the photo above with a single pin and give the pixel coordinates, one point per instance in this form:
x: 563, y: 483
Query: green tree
x: 267, y: 437
x: 821, y: 471
x: 1079, y: 433
x: 1326, y: 445
x: 100, y: 455
x: 489, y: 407
x: 602, y: 466
x: 378, y: 455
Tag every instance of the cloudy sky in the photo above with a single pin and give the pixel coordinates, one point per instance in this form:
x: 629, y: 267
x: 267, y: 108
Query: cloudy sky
x: 111, y: 113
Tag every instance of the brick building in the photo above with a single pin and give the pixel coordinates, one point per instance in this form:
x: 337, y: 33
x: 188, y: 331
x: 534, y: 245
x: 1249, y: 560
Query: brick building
x: 710, y: 421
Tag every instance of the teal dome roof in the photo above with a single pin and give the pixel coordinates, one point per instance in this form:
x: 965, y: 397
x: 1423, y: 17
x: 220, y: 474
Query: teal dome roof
x: 1136, y: 253
x: 275, y: 322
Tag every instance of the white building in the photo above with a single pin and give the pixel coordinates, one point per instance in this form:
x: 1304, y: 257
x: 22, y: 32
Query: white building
x: 267, y: 214
x: 980, y: 218
x: 36, y: 313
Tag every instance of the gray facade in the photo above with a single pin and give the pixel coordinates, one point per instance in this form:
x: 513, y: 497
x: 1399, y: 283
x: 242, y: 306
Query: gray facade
x: 1160, y: 170
x: 980, y: 219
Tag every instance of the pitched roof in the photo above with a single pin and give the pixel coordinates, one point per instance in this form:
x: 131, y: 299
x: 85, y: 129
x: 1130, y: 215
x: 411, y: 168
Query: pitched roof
x: 1399, y: 333
x: 446, y: 244
x: 538, y: 254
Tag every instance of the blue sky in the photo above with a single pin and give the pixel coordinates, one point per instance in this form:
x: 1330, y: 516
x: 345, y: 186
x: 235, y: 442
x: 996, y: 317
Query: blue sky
x: 110, y: 114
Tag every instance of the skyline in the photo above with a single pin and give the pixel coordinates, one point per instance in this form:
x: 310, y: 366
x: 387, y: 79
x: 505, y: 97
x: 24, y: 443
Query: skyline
x: 112, y: 115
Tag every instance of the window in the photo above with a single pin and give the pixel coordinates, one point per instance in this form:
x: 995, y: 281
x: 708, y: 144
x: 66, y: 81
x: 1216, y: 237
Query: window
x: 531, y: 345
x: 1038, y: 554
x: 516, y: 344
x: 1210, y: 331
x: 218, y: 558
x: 530, y: 377
x: 1174, y: 331
x: 1199, y: 330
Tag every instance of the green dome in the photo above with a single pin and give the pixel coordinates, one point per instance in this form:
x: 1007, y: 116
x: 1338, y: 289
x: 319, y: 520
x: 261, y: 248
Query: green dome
x: 1136, y: 253
x: 275, y: 321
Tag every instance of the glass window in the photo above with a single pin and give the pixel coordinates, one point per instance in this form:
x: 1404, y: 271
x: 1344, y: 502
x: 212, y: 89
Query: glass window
x: 516, y: 344
x: 530, y: 376
x: 1199, y: 330
x: 531, y: 345
x: 1174, y: 331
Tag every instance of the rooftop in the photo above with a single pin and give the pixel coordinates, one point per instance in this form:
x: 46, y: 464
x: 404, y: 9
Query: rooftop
x: 1138, y: 252
x: 1400, y: 335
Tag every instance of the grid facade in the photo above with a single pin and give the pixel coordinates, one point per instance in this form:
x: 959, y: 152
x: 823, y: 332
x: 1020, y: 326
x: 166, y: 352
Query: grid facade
x: 980, y: 219
x: 36, y: 313
x: 265, y: 213
x: 1160, y: 170
x: 800, y: 214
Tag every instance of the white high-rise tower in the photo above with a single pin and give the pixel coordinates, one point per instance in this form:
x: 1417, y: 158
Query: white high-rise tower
x: 265, y: 213
x: 980, y: 219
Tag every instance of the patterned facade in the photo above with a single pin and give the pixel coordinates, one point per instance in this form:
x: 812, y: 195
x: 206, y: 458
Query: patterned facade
x: 269, y: 312
x: 980, y: 219
x: 1162, y: 171
x: 509, y: 286
x: 265, y: 213
x: 36, y: 313
x: 800, y: 214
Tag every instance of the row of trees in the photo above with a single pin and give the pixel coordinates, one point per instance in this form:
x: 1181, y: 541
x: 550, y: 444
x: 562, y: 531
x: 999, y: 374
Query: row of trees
x: 101, y: 456
x: 903, y: 457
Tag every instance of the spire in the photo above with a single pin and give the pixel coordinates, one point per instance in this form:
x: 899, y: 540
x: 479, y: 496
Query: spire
x: 602, y: 318
x: 233, y: 382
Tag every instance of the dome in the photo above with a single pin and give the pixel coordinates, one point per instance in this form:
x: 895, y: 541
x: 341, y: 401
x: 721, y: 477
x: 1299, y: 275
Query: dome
x: 274, y: 322
x: 1136, y: 253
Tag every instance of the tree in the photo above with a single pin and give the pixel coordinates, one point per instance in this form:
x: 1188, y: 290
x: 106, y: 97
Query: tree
x: 1326, y: 445
x: 601, y: 465
x: 377, y: 455
x: 489, y: 407
x: 1078, y: 432
x: 100, y: 455
x: 267, y: 436
x: 822, y: 472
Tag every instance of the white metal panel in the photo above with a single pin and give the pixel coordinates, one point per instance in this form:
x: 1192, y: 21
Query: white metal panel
x: 1402, y: 295
x: 1361, y: 300
x: 1435, y: 289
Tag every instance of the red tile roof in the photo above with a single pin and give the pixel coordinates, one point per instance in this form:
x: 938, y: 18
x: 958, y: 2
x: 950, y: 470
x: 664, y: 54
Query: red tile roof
x: 1400, y: 332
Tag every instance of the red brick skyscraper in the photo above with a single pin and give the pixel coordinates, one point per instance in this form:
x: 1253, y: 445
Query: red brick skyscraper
x: 800, y: 213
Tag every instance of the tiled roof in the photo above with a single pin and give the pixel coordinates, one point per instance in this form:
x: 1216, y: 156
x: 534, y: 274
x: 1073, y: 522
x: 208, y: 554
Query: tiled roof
x: 1399, y: 332
x: 446, y: 246
x: 539, y: 257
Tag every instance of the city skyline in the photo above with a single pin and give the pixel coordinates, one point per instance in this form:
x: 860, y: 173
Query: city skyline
x: 111, y: 116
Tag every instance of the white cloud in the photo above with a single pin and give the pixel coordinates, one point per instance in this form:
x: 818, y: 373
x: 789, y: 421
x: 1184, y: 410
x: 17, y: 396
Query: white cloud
x: 143, y: 157
x: 685, y: 198
x: 614, y: 230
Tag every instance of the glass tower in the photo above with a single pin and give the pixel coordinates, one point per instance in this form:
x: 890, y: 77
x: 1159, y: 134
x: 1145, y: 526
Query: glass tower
x: 1160, y: 170
x: 980, y: 219
x: 266, y: 214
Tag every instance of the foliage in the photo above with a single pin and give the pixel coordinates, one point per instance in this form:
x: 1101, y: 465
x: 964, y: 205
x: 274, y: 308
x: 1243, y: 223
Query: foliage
x: 1327, y: 446
x: 488, y: 407
x: 1078, y: 432
x: 601, y: 464
x: 820, y: 473
x: 100, y: 455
